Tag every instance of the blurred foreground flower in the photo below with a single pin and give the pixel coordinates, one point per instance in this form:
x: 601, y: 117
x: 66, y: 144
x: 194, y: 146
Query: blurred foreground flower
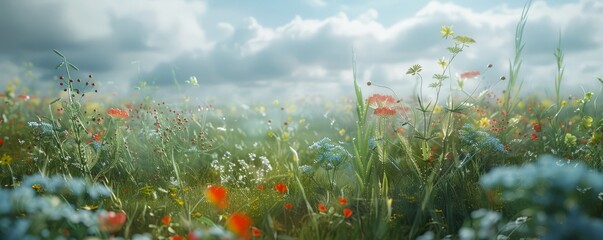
x: 239, y: 224
x: 111, y: 221
x: 217, y: 195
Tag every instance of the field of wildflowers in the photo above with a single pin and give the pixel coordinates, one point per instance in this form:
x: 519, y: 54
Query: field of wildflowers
x: 469, y: 165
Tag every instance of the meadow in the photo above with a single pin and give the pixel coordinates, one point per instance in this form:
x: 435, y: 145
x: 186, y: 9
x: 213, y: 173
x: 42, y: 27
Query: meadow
x: 465, y: 164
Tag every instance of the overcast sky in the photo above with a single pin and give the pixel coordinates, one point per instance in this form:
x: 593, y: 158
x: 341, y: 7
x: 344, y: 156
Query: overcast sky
x: 276, y: 49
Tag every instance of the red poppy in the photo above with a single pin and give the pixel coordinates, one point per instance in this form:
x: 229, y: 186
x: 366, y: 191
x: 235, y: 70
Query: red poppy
x: 166, y: 220
x: 381, y: 99
x: 261, y: 187
x: 534, y: 136
x: 256, y: 232
x: 536, y: 127
x: 177, y: 237
x: 1, y: 142
x: 385, y: 111
x: 470, y: 74
x: 111, y: 221
x: 322, y: 208
x: 281, y: 188
x: 217, y: 195
x: 118, y: 113
x: 24, y: 97
x: 239, y: 224
x: 347, y: 213
x: 288, y: 206
x: 342, y: 201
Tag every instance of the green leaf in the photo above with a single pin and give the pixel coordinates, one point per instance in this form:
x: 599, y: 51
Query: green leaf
x: 74, y: 67
x: 58, y: 53
x: 464, y: 39
x: 54, y: 101
x: 414, y: 69
x: 59, y: 65
x: 440, y: 77
x: 435, y: 84
x: 455, y: 49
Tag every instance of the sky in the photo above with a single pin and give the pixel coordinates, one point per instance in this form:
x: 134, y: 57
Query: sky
x: 264, y: 50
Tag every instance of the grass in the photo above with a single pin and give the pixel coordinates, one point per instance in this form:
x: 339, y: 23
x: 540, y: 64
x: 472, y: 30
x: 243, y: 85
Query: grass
x: 468, y: 165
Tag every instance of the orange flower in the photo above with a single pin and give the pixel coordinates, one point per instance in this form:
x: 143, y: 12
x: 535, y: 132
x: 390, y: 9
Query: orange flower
x: 261, y: 187
x: 281, y: 188
x: 385, y: 111
x: 342, y: 201
x: 322, y: 208
x: 536, y: 127
x: 166, y: 220
x: 470, y: 74
x: 177, y: 237
x: 288, y: 205
x: 256, y: 232
x: 118, y: 113
x: 24, y: 97
x: 239, y: 224
x: 347, y: 213
x: 380, y: 100
x: 217, y: 195
x: 111, y: 221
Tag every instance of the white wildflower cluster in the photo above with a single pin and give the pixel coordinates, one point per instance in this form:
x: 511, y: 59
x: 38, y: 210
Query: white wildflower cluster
x: 241, y: 172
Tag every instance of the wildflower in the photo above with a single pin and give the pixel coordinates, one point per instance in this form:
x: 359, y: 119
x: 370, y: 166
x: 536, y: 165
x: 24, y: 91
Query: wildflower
x: 342, y: 201
x: 24, y: 97
x: 322, y: 208
x: 446, y: 31
x: 111, y: 221
x: 470, y: 74
x: 177, y: 237
x: 484, y: 122
x: 569, y: 139
x: 260, y: 187
x: 536, y: 127
x: 586, y: 122
x: 239, y: 224
x: 347, y: 213
x: 288, y: 206
x: 1, y: 142
x: 217, y: 195
x: 281, y: 188
x: 166, y: 220
x: 256, y: 232
x: 380, y: 100
x: 534, y: 136
x: 193, y: 81
x: 330, y: 156
x: 595, y: 137
x: 385, y: 111
x: 6, y: 160
x: 442, y: 62
x: 342, y: 132
x: 118, y: 113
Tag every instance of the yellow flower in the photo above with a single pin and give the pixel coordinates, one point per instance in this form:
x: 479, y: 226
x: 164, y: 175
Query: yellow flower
x: 446, y: 31
x: 6, y: 160
x: 570, y: 139
x: 563, y: 103
x: 484, y: 122
x: 341, y: 132
x: 437, y: 109
x: 442, y: 62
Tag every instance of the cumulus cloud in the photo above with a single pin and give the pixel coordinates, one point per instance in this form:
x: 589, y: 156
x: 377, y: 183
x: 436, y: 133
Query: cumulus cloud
x: 302, y: 55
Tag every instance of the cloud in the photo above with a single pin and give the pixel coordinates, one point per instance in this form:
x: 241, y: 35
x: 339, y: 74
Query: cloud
x: 311, y: 54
